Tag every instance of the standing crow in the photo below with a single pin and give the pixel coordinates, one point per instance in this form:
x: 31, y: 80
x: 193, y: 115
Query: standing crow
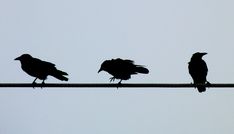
x: 40, y: 69
x: 198, y: 71
x: 122, y: 69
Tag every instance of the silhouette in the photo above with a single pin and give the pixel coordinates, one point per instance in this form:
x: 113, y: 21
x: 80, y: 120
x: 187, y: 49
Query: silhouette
x: 40, y: 69
x: 198, y: 71
x: 122, y: 69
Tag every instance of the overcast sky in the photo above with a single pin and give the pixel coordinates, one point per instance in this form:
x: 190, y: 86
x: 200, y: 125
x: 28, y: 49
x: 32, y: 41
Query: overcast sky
x: 78, y: 35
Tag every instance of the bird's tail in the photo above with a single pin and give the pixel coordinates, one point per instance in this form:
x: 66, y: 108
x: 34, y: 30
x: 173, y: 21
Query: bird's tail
x: 59, y: 75
x: 142, y: 70
x: 201, y: 88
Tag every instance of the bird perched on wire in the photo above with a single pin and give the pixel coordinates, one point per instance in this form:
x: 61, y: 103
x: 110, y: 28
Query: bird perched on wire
x: 122, y: 69
x: 198, y: 71
x: 40, y: 69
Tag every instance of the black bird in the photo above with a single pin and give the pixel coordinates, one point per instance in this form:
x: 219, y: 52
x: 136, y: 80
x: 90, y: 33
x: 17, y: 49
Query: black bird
x: 198, y: 71
x: 122, y: 69
x: 40, y: 69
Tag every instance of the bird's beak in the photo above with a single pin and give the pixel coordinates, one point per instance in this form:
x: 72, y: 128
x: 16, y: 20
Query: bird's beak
x: 204, y: 54
x: 99, y: 70
x: 18, y: 58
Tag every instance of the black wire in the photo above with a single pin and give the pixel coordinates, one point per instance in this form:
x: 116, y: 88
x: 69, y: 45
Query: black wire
x: 104, y: 85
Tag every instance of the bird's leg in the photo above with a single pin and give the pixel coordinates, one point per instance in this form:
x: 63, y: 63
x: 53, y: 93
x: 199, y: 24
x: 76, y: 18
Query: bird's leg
x: 42, y: 84
x: 119, y: 84
x: 112, y: 79
x: 34, y: 83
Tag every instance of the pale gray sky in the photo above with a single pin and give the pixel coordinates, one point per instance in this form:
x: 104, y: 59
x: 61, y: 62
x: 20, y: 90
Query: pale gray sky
x: 78, y: 35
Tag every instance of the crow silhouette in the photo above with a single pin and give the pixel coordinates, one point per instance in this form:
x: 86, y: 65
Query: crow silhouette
x: 122, y: 69
x: 198, y: 71
x: 40, y: 69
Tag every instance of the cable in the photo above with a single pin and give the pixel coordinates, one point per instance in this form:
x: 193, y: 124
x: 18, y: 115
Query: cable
x: 104, y: 85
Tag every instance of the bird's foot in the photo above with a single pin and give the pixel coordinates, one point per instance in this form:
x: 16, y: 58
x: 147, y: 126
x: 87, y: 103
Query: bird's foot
x: 119, y: 84
x: 42, y: 84
x: 34, y: 84
x: 112, y: 79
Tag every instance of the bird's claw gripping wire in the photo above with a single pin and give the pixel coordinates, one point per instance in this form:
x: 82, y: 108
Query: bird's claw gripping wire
x: 34, y: 84
x: 42, y: 84
x: 119, y: 84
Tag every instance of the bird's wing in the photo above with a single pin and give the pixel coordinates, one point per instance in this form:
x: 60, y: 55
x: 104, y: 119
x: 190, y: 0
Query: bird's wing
x: 198, y: 71
x: 48, y: 63
x: 118, y: 60
x: 205, y: 69
x: 39, y: 62
x: 129, y: 61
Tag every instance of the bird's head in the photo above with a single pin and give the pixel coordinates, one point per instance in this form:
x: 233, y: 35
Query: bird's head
x: 198, y: 55
x: 104, y: 66
x: 23, y: 57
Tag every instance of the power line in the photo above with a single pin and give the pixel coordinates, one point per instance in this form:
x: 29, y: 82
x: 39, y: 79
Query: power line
x: 104, y: 85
